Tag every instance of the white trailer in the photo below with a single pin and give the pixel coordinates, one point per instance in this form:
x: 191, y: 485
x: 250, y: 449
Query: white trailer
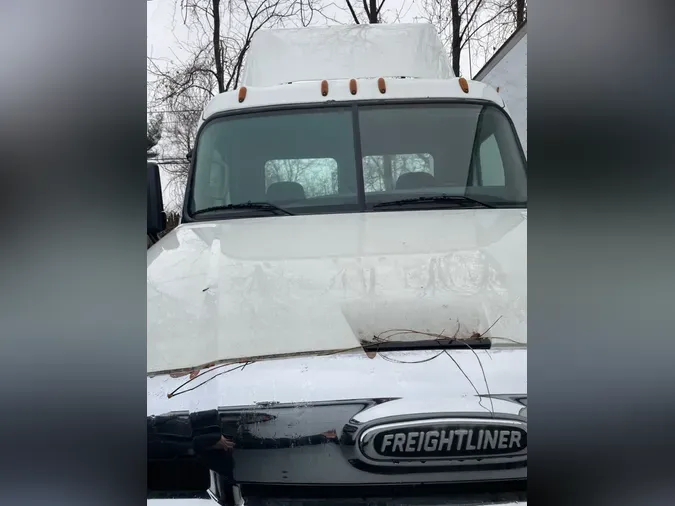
x: 507, y: 72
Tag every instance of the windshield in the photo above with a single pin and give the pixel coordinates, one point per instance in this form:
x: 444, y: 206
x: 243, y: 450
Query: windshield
x: 353, y: 158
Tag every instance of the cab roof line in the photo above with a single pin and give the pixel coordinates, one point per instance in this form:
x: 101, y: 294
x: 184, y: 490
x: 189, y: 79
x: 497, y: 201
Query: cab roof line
x: 333, y: 79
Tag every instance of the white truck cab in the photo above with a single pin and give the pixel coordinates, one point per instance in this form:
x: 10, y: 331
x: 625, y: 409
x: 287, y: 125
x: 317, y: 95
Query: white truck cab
x: 344, y: 303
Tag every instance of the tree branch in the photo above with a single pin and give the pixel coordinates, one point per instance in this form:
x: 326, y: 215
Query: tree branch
x: 470, y: 36
x: 380, y: 8
x: 351, y: 9
x: 470, y: 20
x: 365, y: 8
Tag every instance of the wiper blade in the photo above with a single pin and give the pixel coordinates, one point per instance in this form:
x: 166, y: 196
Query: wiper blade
x: 264, y: 206
x: 475, y: 343
x: 461, y: 200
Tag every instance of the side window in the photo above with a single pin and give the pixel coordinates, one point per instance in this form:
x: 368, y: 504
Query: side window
x: 318, y: 176
x: 490, y: 163
x: 380, y: 172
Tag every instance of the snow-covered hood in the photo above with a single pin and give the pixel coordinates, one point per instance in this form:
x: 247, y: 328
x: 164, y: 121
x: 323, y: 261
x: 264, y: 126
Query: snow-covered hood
x: 418, y: 382
x: 282, y: 285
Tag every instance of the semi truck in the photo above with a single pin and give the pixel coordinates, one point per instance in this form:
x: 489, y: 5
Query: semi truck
x: 341, y: 315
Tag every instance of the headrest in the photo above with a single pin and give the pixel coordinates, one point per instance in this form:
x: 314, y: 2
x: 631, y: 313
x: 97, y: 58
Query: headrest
x: 414, y: 180
x: 285, y: 191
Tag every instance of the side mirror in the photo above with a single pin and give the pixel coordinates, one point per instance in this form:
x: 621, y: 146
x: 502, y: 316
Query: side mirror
x: 156, y: 214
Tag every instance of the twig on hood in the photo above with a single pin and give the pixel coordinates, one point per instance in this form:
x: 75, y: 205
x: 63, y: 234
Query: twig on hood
x: 397, y: 332
x: 511, y: 340
x: 380, y: 338
x: 176, y: 392
x: 480, y: 363
x: 487, y: 386
x: 488, y: 329
x: 465, y: 375
x: 389, y: 359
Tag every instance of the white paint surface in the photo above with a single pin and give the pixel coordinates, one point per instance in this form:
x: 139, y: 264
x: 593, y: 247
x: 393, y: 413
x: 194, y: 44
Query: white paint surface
x: 437, y: 385
x: 510, y: 76
x: 307, y: 92
x: 344, y: 52
x: 227, y: 290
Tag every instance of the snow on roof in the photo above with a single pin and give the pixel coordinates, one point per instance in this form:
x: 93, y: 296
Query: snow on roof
x: 344, y: 52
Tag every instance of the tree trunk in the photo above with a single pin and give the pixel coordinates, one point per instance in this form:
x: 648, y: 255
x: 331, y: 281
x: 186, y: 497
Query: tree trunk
x: 217, y: 51
x: 353, y: 12
x: 520, y: 12
x: 372, y: 14
x: 456, y: 45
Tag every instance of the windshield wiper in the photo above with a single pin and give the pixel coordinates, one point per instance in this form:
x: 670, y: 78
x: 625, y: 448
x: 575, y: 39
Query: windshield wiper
x: 461, y: 200
x: 263, y: 206
x: 475, y: 343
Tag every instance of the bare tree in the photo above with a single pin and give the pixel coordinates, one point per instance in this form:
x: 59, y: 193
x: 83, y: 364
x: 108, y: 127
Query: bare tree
x: 508, y: 16
x: 317, y: 176
x: 381, y: 172
x: 371, y: 9
x: 154, y: 134
x: 521, y: 12
x: 483, y: 24
x: 211, y: 62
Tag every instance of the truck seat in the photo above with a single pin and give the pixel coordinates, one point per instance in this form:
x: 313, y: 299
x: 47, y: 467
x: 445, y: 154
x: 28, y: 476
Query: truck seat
x: 285, y: 191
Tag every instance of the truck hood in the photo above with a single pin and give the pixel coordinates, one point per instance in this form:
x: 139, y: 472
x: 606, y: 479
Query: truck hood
x: 413, y: 382
x: 283, y: 285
